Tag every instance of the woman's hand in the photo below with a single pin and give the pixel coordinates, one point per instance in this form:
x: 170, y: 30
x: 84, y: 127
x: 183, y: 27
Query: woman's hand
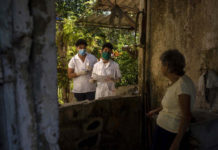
x: 154, y: 111
x: 151, y: 113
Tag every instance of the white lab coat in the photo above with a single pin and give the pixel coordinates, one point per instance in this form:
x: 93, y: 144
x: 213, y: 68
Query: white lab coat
x: 81, y: 84
x: 100, y: 72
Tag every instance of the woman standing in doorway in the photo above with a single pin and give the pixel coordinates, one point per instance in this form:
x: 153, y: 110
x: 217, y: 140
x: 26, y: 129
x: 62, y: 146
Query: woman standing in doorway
x: 175, y: 113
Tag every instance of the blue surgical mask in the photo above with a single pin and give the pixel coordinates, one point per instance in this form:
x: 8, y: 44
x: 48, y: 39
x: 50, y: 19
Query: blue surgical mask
x: 82, y: 52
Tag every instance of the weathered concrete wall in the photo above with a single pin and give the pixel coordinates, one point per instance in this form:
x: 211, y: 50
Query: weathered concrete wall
x: 29, y: 108
x: 190, y: 26
x: 109, y: 124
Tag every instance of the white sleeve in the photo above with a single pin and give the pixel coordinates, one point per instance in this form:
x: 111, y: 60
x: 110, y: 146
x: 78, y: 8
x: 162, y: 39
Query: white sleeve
x: 117, y: 71
x: 96, y: 60
x: 183, y: 88
x: 94, y: 71
x: 71, y: 64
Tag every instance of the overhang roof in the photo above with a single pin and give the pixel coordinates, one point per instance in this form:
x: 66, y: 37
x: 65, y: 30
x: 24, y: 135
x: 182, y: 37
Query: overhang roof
x: 123, y: 14
x: 105, y: 21
x: 125, y: 5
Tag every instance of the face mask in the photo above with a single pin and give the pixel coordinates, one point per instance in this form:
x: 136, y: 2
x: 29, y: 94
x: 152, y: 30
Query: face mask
x: 82, y: 52
x: 106, y: 55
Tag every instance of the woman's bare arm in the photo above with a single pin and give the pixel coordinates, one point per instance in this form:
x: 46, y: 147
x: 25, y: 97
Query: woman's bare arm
x: 184, y: 103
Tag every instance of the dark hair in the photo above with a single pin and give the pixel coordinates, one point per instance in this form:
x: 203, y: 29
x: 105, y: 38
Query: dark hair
x: 81, y: 42
x: 108, y: 45
x: 174, y: 60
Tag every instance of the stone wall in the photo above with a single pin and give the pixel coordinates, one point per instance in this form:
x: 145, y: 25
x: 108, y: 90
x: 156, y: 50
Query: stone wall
x: 189, y: 26
x: 109, y: 124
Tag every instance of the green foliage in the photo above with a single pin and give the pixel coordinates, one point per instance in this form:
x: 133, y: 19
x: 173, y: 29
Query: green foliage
x: 60, y: 98
x: 77, y: 7
x: 128, y: 68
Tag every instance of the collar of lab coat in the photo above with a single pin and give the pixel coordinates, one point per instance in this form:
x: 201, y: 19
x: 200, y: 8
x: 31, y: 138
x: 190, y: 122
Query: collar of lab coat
x: 107, y: 64
x: 77, y: 57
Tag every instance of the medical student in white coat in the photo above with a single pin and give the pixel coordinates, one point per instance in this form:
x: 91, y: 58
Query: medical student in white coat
x: 79, y: 69
x: 106, y: 73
